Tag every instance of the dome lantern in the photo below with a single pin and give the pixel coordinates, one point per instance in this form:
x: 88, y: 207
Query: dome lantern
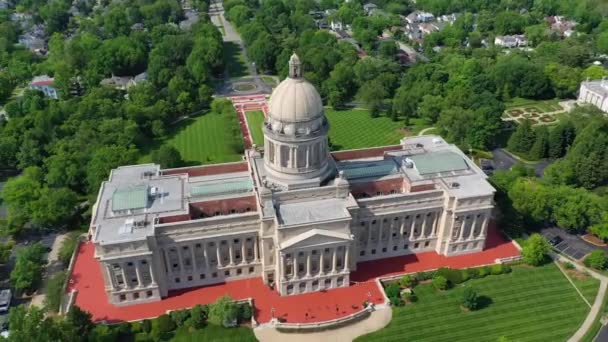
x: 295, y: 67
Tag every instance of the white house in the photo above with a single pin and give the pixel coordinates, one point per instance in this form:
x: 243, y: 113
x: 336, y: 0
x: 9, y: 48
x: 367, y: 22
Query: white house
x: 594, y: 92
x: 44, y: 83
x: 511, y: 41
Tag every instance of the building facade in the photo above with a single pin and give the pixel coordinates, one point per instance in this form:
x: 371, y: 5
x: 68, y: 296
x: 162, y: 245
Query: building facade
x: 594, y: 93
x: 294, y: 214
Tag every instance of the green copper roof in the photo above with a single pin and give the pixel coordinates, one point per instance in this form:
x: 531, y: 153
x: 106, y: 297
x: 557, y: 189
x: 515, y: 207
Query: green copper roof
x: 437, y: 162
x: 230, y: 187
x: 371, y: 170
x: 134, y: 197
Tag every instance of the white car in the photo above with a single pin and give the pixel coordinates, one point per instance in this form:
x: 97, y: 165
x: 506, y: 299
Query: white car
x: 5, y: 300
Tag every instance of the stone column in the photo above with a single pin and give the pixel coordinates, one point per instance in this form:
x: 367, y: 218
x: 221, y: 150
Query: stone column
x: 380, y: 231
x: 110, y: 274
x: 219, y: 254
x: 295, y: 265
x: 167, y: 261
x: 322, y: 262
x: 346, y: 258
x: 283, y: 268
x: 462, y: 227
x: 181, y: 261
x: 243, y: 258
x: 230, y: 253
x: 412, y: 227
x: 402, y: 228
x: 390, y: 236
x: 206, y: 256
x: 484, y: 227
x: 151, y: 270
x: 472, y: 232
x: 435, y: 223
x: 423, y: 228
x: 369, y: 234
x: 140, y: 282
x: 308, y: 264
x: 126, y: 281
x: 193, y: 257
x: 334, y: 261
x: 308, y: 155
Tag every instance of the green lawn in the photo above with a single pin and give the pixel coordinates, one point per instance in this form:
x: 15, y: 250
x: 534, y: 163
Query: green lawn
x: 234, y: 60
x: 206, y: 139
x: 352, y: 129
x: 543, y: 105
x: 255, y: 119
x: 215, y: 333
x: 587, y: 285
x: 529, y: 304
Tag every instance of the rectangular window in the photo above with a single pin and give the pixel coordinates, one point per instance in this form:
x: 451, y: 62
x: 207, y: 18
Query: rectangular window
x: 202, y: 276
x: 177, y: 280
x: 214, y: 275
x: 394, y: 248
x: 251, y: 269
x: 362, y: 253
x: 239, y: 271
x: 189, y: 278
x: 373, y: 251
x: 136, y: 295
x: 416, y: 245
x: 148, y: 294
x: 384, y: 250
x: 122, y: 297
x: 227, y: 273
x: 427, y: 243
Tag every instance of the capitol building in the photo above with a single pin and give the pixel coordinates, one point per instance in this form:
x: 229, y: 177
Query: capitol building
x: 293, y: 213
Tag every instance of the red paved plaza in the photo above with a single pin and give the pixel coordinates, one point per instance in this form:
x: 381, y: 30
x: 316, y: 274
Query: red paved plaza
x: 313, y: 307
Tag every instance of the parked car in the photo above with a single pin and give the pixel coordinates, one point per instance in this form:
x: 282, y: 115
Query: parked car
x: 556, y: 240
x: 5, y: 300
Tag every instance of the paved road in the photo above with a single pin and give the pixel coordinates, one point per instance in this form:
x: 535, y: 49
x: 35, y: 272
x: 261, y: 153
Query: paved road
x: 504, y: 161
x: 216, y: 14
x: 53, y: 265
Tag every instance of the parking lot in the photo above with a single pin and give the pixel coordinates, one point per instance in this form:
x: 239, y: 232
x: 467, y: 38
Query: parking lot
x: 572, y: 245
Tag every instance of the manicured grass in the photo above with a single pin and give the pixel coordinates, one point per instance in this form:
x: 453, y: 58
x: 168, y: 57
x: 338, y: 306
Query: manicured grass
x: 542, y: 105
x: 206, y: 139
x: 529, y: 304
x: 255, y: 119
x: 271, y: 81
x: 234, y: 60
x: 214, y: 333
x: 586, y: 284
x: 352, y: 129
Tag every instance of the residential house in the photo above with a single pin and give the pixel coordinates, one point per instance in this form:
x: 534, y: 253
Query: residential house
x: 419, y: 17
x: 369, y: 8
x: 44, y: 83
x: 511, y: 41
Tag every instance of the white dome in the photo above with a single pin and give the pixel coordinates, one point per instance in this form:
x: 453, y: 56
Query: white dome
x: 295, y: 100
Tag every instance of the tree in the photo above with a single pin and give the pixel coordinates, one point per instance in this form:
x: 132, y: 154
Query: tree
x: 594, y: 72
x: 27, y: 273
x: 372, y: 94
x: 602, y: 42
x: 388, y: 49
x: 535, y: 250
x: 197, y: 316
x: 560, y: 139
x: 469, y: 298
x: 523, y: 138
x: 30, y: 324
x: 20, y: 193
x: 54, y: 207
x: 430, y: 107
x: 168, y: 157
x: 223, y: 311
x: 596, y: 259
x: 5, y: 251
x: 440, y: 283
x: 239, y: 15
x: 407, y: 281
x: 104, y: 159
x: 540, y: 148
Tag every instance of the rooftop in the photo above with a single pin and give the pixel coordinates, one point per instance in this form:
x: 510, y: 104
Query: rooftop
x: 295, y: 213
x: 597, y: 86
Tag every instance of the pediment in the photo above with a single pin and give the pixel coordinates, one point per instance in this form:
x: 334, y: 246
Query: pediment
x: 315, y: 237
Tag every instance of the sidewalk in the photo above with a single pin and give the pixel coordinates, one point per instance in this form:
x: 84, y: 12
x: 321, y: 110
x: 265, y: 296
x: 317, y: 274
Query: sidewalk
x: 53, y: 266
x: 597, y: 304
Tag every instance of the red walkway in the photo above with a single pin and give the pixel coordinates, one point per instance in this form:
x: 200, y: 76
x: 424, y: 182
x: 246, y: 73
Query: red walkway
x: 313, y: 307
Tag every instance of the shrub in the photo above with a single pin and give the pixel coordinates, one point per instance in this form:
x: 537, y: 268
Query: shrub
x: 180, y: 316
x: 410, y: 297
x: 465, y: 275
x: 408, y: 281
x: 146, y: 325
x: 54, y: 293
x: 198, y: 314
x: 535, y: 250
x: 473, y: 273
x: 453, y: 276
x: 136, y: 327
x: 245, y: 312
x: 483, y: 271
x: 568, y: 265
x: 496, y: 269
x: 67, y: 247
x: 223, y: 311
x: 440, y: 283
x: 143, y: 337
x: 396, y: 301
x: 469, y: 298
x: 506, y: 268
x: 596, y: 259
x: 392, y: 290
x: 425, y: 275
x: 162, y: 324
